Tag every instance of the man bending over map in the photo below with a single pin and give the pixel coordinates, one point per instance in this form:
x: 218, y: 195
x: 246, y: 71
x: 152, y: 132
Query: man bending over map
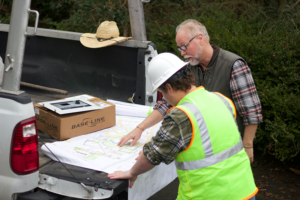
x: 199, y: 133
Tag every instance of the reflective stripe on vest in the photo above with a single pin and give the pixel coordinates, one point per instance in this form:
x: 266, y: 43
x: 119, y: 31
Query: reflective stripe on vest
x: 208, y: 151
x: 209, y: 159
x: 226, y: 104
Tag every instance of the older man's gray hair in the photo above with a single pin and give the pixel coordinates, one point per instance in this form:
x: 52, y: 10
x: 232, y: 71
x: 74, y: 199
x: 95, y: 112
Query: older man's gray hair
x: 193, y: 27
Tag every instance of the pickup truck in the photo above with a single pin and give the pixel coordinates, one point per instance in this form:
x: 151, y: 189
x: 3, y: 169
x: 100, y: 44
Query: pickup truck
x: 43, y: 65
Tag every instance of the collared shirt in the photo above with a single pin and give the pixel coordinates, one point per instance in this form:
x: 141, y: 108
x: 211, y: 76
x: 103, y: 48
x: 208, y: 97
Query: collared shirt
x: 171, y: 139
x: 242, y: 88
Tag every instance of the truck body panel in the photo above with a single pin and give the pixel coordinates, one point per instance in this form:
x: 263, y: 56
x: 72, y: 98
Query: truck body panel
x: 10, y: 107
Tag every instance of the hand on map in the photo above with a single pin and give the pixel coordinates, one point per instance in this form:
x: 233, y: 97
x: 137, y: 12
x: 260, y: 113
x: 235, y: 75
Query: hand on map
x: 135, y: 135
x: 123, y: 175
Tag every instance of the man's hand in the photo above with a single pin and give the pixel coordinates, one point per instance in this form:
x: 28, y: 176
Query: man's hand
x: 249, y: 135
x: 250, y: 154
x: 135, y: 135
x: 123, y: 175
x: 141, y: 166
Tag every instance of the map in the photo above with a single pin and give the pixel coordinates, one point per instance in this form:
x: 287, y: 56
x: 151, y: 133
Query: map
x: 99, y: 150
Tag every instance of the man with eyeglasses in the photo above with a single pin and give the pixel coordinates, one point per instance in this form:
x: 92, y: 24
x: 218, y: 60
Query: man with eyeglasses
x: 217, y: 70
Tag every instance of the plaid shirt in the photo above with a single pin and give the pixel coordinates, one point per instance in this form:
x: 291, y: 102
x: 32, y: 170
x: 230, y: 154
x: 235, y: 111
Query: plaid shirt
x: 243, y: 92
x: 173, y: 137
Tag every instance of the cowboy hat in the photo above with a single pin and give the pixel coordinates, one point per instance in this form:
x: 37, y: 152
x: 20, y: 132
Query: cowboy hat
x: 107, y: 34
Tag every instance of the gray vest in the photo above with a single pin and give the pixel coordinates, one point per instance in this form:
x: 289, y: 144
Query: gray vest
x: 217, y: 77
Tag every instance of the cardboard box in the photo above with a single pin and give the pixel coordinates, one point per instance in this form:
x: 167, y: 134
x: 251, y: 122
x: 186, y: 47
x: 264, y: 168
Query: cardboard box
x: 66, y: 126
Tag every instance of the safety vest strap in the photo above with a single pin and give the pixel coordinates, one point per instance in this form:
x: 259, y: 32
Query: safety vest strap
x: 205, y: 138
x: 209, y: 161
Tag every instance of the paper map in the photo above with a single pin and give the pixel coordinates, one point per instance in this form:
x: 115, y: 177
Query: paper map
x: 99, y: 150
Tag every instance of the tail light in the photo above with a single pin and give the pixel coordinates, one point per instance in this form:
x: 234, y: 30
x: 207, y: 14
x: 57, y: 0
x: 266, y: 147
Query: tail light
x: 159, y: 96
x: 24, y: 148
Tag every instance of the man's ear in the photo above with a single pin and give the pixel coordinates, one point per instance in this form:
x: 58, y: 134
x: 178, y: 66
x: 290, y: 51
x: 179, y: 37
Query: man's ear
x: 201, y: 38
x: 169, y: 87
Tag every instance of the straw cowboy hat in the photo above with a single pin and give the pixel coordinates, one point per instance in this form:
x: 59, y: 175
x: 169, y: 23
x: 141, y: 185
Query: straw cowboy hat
x: 107, y: 34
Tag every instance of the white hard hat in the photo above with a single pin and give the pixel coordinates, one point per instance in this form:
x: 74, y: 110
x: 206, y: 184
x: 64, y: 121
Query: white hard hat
x: 162, y: 67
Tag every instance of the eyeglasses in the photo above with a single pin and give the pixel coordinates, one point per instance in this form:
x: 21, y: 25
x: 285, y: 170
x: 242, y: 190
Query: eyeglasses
x: 184, y: 47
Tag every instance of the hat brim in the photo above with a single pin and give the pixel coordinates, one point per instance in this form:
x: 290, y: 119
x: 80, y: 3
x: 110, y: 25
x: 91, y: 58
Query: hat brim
x: 89, y: 40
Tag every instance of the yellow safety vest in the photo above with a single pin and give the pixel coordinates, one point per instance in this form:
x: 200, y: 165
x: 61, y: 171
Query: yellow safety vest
x: 215, y: 165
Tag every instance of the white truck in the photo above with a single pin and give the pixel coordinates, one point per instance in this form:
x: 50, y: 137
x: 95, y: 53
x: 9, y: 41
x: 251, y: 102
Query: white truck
x: 48, y: 59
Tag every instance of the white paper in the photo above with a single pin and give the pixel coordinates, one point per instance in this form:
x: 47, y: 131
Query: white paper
x: 130, y: 109
x: 147, y: 184
x: 99, y: 150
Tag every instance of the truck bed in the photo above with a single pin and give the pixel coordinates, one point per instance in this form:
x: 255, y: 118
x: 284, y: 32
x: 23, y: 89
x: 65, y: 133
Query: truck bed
x: 55, y: 169
x: 57, y: 59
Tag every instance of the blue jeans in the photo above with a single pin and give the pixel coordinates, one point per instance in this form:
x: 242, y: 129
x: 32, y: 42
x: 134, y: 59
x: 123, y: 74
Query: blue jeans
x: 253, y: 198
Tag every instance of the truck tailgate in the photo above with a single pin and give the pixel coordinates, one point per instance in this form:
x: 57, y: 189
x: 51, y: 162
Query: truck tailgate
x: 52, y: 171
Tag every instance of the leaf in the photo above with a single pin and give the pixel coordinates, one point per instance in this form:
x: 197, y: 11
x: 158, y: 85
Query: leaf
x: 269, y: 194
x: 294, y: 192
x: 260, y: 185
x: 296, y: 171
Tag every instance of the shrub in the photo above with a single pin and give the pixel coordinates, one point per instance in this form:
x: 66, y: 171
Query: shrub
x: 86, y: 16
x: 272, y: 50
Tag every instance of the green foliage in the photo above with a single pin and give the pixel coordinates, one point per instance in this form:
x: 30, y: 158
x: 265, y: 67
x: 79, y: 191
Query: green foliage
x: 265, y: 33
x: 76, y: 15
x: 51, y: 12
x: 56, y: 10
x: 87, y: 15
x: 272, y: 50
x: 5, y: 9
x: 273, y: 54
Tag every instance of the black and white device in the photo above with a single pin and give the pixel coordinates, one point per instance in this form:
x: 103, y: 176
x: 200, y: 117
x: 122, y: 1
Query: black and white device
x: 71, y: 106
